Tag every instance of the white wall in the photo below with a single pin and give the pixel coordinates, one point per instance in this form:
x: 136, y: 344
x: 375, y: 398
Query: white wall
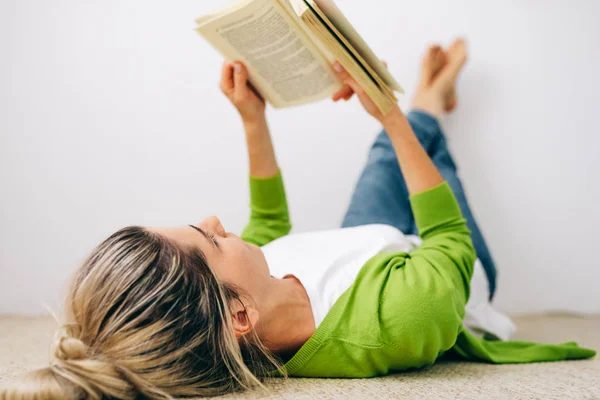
x: 110, y: 115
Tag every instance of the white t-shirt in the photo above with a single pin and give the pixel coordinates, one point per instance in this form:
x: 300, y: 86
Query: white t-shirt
x: 327, y: 262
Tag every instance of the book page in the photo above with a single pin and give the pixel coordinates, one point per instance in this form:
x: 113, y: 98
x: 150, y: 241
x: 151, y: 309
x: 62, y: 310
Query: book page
x: 223, y: 12
x: 364, y: 75
x: 337, y: 18
x: 295, y: 9
x: 284, y: 66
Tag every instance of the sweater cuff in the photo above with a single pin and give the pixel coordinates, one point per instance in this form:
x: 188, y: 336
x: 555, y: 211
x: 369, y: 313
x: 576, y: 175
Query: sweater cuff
x: 267, y: 193
x: 434, y: 206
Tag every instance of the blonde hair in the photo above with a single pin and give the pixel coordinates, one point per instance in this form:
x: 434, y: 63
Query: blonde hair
x: 147, y: 317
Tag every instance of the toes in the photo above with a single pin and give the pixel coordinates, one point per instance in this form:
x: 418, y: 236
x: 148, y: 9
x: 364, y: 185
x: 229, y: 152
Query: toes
x: 440, y: 69
x: 439, y: 62
x: 458, y: 44
x: 431, y: 55
x: 456, y: 58
x: 457, y: 52
x: 429, y: 64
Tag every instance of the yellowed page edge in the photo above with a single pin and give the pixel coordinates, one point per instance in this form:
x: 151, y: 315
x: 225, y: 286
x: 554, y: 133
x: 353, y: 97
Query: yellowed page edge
x: 375, y: 75
x: 223, y: 11
x: 379, y: 97
x: 345, y: 27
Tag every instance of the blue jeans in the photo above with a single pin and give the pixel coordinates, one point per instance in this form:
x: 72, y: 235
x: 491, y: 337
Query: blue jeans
x: 381, y: 195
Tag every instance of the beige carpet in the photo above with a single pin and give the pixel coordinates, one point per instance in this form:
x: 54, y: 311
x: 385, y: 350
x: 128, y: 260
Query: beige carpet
x: 24, y: 345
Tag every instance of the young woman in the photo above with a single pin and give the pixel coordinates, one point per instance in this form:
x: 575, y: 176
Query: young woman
x: 197, y: 310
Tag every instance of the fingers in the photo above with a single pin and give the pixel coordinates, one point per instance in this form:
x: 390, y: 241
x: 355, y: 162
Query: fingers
x: 255, y: 92
x: 347, y: 79
x: 234, y: 80
x: 240, y: 81
x: 345, y: 93
x: 226, y: 84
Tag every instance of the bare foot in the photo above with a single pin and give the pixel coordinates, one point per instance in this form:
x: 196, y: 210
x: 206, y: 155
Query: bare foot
x: 457, y: 55
x: 436, y: 93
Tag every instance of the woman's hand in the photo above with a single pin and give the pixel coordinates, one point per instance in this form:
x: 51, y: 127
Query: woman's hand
x: 420, y: 173
x: 235, y: 85
x: 251, y: 106
x: 351, y: 87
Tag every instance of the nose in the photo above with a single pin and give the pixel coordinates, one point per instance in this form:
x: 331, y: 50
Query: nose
x: 213, y: 224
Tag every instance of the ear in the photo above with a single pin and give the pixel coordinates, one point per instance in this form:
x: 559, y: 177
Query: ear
x: 243, y: 322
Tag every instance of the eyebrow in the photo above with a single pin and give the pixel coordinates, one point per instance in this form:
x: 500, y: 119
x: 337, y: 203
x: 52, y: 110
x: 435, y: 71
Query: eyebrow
x: 205, y: 236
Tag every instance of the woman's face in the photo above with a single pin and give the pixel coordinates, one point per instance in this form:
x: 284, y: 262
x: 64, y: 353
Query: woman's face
x: 231, y: 259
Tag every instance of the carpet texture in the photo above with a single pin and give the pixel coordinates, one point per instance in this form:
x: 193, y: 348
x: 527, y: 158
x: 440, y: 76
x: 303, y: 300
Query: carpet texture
x: 24, y: 345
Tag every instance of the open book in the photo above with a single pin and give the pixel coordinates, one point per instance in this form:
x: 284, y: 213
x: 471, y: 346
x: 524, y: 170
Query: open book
x: 289, y: 46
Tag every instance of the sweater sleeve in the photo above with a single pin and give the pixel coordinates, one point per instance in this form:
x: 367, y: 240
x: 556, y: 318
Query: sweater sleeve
x: 447, y: 244
x: 426, y: 290
x: 269, y: 216
x: 404, y: 310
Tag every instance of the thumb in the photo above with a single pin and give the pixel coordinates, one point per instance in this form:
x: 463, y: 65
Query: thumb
x: 240, y: 79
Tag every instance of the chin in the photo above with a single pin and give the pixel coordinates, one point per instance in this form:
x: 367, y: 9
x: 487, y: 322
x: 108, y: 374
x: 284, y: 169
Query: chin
x: 263, y: 261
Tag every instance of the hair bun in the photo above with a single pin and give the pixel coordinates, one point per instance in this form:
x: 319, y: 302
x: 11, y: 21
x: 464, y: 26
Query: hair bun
x: 70, y: 348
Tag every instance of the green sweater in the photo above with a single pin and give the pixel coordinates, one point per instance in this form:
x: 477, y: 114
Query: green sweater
x: 404, y: 310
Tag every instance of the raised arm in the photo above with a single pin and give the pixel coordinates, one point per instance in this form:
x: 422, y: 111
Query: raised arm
x: 447, y: 244
x: 269, y: 216
x: 420, y: 173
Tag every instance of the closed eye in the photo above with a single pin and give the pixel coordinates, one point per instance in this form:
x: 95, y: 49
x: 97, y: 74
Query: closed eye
x: 208, y: 236
x: 214, y: 239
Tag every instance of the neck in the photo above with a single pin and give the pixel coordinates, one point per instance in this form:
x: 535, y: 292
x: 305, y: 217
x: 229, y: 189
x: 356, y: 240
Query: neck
x: 286, y: 318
